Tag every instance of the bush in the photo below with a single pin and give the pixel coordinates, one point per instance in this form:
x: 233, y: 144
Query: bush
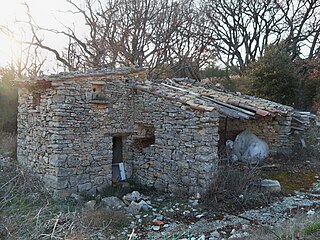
x: 299, y: 227
x: 308, y: 88
x: 273, y: 76
x: 234, y: 187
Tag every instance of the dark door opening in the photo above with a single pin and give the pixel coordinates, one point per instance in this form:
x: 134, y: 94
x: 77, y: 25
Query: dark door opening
x: 117, y: 149
x: 226, y: 132
x: 117, y: 159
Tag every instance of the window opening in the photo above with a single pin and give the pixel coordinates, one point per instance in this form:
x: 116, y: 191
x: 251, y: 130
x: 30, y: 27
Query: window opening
x: 97, y: 93
x: 145, y: 136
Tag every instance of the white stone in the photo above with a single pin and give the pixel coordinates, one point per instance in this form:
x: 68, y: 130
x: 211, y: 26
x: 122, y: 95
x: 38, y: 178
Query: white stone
x: 144, y: 205
x: 270, y: 185
x: 185, y: 212
x: 155, y: 228
x: 200, y: 215
x: 76, y: 197
x: 215, y: 234
x: 134, y: 196
x: 244, y: 227
x: 233, y: 231
x: 90, y: 204
x: 159, y: 217
x: 311, y: 212
x: 239, y: 235
x: 194, y: 202
x: 202, y: 237
x: 113, y: 203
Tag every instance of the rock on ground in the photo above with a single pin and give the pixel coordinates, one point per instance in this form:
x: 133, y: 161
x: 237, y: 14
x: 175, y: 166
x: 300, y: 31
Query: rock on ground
x: 113, y: 203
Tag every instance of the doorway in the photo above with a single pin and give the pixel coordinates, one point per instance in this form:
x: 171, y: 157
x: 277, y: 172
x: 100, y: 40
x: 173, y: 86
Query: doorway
x: 118, y: 172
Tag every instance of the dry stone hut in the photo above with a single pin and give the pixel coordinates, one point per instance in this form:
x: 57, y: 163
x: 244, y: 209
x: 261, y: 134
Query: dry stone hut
x: 80, y: 132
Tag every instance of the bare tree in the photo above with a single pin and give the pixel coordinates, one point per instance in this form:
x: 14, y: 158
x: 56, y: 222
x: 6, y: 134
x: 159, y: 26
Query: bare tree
x: 190, y: 49
x: 180, y: 35
x: 302, y: 21
x: 149, y: 33
x: 27, y: 58
x: 243, y: 28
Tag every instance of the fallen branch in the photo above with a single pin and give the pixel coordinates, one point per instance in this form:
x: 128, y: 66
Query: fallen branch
x: 132, y: 234
x: 55, y: 225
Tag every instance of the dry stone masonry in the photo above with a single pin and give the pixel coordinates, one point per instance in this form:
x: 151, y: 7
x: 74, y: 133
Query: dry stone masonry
x: 184, y: 154
x: 82, y: 131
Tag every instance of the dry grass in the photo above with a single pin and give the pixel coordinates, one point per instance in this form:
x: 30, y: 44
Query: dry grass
x: 235, y: 189
x: 8, y: 142
x: 104, y: 218
x: 27, y: 211
x: 301, y: 227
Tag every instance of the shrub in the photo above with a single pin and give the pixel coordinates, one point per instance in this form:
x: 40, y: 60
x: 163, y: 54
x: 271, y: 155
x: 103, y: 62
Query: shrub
x: 273, y: 76
x: 296, y: 228
x: 235, y: 189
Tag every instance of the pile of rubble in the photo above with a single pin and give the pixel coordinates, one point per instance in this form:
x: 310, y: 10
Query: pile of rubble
x: 133, y: 203
x: 187, y: 219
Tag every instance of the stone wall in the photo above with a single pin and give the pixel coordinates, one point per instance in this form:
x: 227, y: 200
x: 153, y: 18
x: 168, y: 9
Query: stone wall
x: 33, y: 137
x: 274, y: 130
x: 183, y: 156
x: 66, y: 132
x: 67, y: 140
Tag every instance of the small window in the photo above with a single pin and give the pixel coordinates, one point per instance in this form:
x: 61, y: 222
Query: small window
x: 36, y: 99
x: 97, y: 93
x: 145, y: 136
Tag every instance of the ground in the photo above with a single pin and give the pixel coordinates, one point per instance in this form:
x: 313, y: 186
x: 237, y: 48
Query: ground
x: 232, y: 208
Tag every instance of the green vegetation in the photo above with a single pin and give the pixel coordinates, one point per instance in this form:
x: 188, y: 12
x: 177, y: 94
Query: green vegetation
x: 273, y: 76
x: 28, y: 211
x: 312, y: 227
x: 214, y: 72
x: 292, y: 181
x: 308, y: 84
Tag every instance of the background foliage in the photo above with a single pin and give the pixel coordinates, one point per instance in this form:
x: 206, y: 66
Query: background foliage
x: 8, y: 101
x: 273, y: 76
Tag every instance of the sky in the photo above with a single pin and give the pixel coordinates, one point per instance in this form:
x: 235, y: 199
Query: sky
x: 46, y: 13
